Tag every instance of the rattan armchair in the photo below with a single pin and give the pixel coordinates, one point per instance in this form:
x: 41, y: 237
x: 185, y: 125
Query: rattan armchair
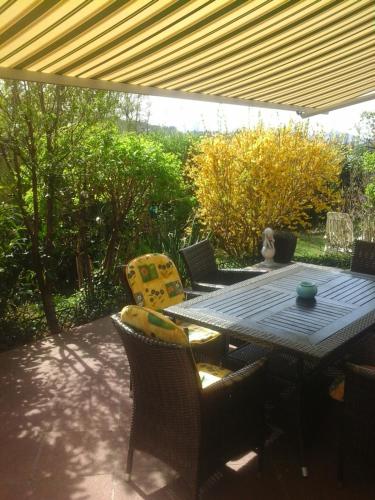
x: 203, y: 271
x: 363, y: 257
x: 363, y: 261
x: 194, y: 430
x: 357, y: 426
x: 357, y: 429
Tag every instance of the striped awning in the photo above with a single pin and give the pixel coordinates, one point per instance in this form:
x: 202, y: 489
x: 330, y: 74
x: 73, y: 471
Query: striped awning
x: 310, y: 56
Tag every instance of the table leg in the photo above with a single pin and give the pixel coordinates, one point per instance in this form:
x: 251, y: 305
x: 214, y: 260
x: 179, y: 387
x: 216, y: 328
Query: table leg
x: 299, y: 409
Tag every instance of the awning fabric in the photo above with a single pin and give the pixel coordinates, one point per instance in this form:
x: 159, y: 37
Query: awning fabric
x: 310, y: 56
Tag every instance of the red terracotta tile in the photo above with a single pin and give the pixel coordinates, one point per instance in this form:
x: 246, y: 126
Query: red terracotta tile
x: 149, y: 474
x: 78, y: 385
x: 123, y: 490
x: 64, y: 454
x: 78, y: 488
x: 89, y: 404
x: 15, y: 490
x: 18, y: 453
x: 99, y: 332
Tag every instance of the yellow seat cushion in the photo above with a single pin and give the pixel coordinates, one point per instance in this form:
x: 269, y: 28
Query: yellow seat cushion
x: 198, y: 334
x: 154, y: 324
x: 154, y: 281
x: 337, y: 388
x: 209, y: 374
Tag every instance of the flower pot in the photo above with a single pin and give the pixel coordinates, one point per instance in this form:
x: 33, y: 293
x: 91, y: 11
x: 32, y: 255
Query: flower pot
x: 285, y: 245
x: 306, y: 290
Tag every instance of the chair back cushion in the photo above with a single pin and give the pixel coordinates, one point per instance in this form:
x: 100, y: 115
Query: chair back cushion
x: 153, y: 324
x: 154, y: 281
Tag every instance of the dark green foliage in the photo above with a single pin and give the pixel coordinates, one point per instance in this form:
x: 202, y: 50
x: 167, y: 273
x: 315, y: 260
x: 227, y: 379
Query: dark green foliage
x: 22, y: 324
x: 78, y: 199
x: 332, y: 259
x: 116, y: 194
x: 103, y: 297
x: 172, y: 229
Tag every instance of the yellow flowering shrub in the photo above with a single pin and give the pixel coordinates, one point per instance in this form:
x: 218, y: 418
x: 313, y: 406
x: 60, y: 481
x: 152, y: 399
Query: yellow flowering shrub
x: 263, y: 177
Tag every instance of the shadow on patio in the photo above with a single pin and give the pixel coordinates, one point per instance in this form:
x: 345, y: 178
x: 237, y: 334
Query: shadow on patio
x: 65, y: 416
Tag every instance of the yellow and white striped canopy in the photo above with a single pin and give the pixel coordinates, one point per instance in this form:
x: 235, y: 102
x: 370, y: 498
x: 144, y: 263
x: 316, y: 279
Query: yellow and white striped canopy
x: 310, y: 56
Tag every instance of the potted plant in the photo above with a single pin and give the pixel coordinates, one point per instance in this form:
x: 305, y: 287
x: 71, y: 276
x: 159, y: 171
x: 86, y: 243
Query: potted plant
x: 285, y: 245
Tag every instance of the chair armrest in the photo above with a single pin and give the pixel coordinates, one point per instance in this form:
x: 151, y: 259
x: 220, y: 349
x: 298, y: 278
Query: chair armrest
x: 233, y: 392
x: 200, y: 286
x: 366, y: 372
x: 246, y: 273
x: 363, y: 352
x: 193, y: 294
x: 225, y: 277
x: 247, y: 376
x: 359, y: 396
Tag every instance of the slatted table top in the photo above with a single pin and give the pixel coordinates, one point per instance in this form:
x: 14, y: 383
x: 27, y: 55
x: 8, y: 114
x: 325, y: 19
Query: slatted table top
x: 266, y: 309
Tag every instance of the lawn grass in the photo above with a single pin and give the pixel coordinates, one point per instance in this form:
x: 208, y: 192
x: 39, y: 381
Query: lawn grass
x: 310, y: 248
x: 310, y: 244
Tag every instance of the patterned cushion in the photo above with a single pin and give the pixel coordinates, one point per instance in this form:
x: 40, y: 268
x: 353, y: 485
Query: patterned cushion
x: 154, y: 281
x: 209, y: 374
x: 337, y: 388
x: 153, y: 324
x: 198, y: 334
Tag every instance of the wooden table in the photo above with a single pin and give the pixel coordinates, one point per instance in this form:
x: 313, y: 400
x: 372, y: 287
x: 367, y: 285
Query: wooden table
x: 266, y: 310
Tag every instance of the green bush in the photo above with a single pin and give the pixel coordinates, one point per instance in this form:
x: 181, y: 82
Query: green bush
x: 178, y: 143
x: 332, y: 259
x: 123, y: 195
x: 89, y: 303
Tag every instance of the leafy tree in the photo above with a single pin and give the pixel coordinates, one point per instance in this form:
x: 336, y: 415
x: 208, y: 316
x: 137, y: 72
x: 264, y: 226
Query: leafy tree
x: 358, y: 178
x: 42, y: 128
x: 367, y: 129
x: 124, y: 177
x: 178, y: 143
x: 258, y: 178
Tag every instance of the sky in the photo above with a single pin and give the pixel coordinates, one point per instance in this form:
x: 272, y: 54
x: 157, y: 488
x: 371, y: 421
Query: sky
x: 207, y: 116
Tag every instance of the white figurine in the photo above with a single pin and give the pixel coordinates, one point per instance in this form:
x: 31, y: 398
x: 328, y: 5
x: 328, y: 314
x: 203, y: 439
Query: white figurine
x: 268, y: 249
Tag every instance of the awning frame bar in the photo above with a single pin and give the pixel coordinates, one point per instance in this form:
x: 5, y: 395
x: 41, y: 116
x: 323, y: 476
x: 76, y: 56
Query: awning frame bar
x: 350, y: 102
x: 72, y: 81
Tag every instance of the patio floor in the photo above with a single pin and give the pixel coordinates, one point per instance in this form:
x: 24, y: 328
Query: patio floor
x: 64, y: 427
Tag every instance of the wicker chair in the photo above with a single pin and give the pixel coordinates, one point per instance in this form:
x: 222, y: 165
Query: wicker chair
x: 363, y: 261
x: 195, y: 431
x: 203, y: 271
x: 363, y: 258
x: 163, y: 288
x: 357, y: 429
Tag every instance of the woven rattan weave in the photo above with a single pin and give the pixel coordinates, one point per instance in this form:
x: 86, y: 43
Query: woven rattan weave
x: 363, y: 259
x: 203, y: 271
x: 357, y: 426
x: 194, y: 431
